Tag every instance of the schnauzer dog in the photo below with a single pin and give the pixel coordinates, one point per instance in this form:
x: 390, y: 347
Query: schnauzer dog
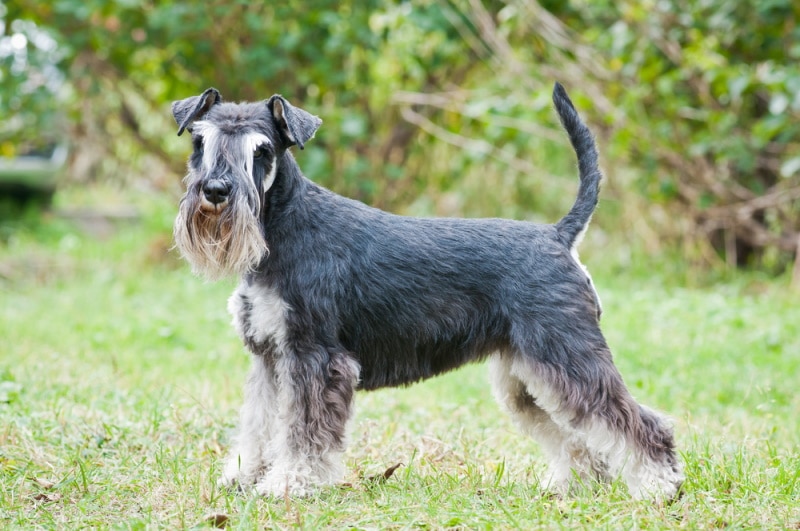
x: 336, y: 296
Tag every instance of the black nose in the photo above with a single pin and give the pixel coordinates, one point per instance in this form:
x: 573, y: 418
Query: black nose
x: 216, y: 191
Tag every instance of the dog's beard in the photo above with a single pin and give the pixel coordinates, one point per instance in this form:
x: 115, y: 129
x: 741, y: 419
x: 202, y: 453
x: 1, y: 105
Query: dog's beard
x: 219, y: 244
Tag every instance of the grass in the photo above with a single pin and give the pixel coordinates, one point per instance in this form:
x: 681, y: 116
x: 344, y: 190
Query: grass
x: 120, y: 380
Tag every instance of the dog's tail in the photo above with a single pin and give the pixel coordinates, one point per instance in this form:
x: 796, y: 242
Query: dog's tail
x: 572, y: 226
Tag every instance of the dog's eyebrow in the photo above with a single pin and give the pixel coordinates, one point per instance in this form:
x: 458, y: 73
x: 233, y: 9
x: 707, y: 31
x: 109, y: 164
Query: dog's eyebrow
x: 210, y: 134
x: 250, y: 142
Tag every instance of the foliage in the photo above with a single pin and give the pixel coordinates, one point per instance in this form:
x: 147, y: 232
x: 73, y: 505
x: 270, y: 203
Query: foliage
x: 443, y: 107
x: 30, y: 85
x: 713, y: 94
x: 702, y: 98
x: 128, y: 59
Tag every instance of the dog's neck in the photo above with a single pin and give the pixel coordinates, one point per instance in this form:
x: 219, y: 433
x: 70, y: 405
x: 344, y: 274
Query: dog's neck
x: 290, y: 184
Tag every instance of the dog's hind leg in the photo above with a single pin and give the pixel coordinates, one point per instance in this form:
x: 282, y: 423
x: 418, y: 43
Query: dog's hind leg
x: 570, y: 375
x: 315, y: 396
x: 249, y: 459
x: 569, y: 458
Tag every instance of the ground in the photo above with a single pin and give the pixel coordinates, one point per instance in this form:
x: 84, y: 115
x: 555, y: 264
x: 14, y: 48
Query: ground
x: 120, y: 379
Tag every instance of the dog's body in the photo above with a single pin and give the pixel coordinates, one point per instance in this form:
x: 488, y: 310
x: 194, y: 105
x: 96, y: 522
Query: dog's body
x: 336, y: 296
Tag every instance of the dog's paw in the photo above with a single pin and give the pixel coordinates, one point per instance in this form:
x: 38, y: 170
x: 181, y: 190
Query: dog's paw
x: 231, y: 474
x: 662, y: 487
x: 240, y: 477
x: 279, y: 484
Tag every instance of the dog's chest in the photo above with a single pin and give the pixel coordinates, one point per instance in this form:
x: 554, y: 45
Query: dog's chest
x: 259, y: 316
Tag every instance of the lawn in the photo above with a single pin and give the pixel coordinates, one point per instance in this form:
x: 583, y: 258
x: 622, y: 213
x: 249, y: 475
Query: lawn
x: 120, y: 380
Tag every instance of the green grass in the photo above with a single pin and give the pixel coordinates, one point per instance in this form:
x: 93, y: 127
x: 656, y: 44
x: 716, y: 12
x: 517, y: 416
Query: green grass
x: 120, y: 380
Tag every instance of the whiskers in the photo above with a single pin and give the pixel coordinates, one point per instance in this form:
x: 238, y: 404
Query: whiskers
x: 219, y: 245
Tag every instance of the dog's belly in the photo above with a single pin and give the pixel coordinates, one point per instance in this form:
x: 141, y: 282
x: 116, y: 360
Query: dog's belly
x: 403, y: 362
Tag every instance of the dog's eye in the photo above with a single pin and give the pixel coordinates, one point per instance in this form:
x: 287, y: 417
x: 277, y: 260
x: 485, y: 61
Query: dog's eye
x: 260, y: 153
x: 197, y: 142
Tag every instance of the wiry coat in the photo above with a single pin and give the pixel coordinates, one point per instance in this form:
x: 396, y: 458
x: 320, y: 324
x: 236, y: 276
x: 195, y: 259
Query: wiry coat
x: 336, y: 295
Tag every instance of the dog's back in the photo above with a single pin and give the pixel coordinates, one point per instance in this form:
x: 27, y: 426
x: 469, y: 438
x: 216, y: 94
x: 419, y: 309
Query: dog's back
x: 420, y: 296
x: 415, y: 297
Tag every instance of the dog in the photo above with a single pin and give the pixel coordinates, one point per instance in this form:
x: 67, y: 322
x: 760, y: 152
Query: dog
x: 336, y: 296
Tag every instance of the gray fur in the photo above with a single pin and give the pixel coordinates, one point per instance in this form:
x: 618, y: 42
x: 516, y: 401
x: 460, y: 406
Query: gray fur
x: 296, y: 125
x: 191, y: 109
x: 337, y: 296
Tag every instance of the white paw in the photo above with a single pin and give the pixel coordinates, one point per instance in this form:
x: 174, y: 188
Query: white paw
x: 236, y: 475
x: 280, y: 483
x: 658, y: 483
x: 660, y: 491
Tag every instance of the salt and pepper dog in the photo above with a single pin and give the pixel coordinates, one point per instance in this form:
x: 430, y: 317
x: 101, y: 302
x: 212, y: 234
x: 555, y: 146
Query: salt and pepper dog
x: 336, y: 296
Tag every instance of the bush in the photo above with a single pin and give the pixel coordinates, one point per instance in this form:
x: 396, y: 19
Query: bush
x: 701, y: 99
x: 707, y: 99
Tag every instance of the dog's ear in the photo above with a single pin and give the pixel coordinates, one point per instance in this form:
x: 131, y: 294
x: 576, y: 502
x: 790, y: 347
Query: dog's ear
x: 187, y: 111
x: 296, y: 125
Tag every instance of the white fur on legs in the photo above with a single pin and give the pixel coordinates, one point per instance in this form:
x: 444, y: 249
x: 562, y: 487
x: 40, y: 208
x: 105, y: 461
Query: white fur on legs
x: 638, y: 453
x: 568, y: 456
x: 311, y: 426
x: 259, y: 315
x: 251, y: 456
x: 648, y: 477
x: 301, y: 475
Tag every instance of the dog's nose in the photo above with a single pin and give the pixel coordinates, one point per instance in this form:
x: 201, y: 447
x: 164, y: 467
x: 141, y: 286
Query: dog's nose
x: 216, y: 191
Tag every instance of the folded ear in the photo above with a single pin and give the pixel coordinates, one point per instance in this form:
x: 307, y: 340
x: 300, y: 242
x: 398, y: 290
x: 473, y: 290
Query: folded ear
x: 295, y: 124
x: 187, y: 111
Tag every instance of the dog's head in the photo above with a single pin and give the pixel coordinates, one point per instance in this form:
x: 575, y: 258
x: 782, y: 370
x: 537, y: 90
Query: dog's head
x: 234, y: 164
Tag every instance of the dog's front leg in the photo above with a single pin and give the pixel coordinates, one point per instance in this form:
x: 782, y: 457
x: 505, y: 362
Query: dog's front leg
x: 249, y: 458
x: 315, y: 396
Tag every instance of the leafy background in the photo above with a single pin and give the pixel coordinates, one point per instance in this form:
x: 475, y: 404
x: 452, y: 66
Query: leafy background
x: 442, y: 107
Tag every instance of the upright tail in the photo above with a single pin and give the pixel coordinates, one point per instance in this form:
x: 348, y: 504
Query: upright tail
x: 572, y: 226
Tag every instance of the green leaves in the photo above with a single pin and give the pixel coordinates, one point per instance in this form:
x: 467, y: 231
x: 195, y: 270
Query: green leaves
x: 701, y: 99
x: 717, y: 106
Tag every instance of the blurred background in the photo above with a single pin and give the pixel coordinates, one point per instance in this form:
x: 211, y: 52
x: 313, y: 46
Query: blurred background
x: 120, y: 374
x: 431, y: 107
